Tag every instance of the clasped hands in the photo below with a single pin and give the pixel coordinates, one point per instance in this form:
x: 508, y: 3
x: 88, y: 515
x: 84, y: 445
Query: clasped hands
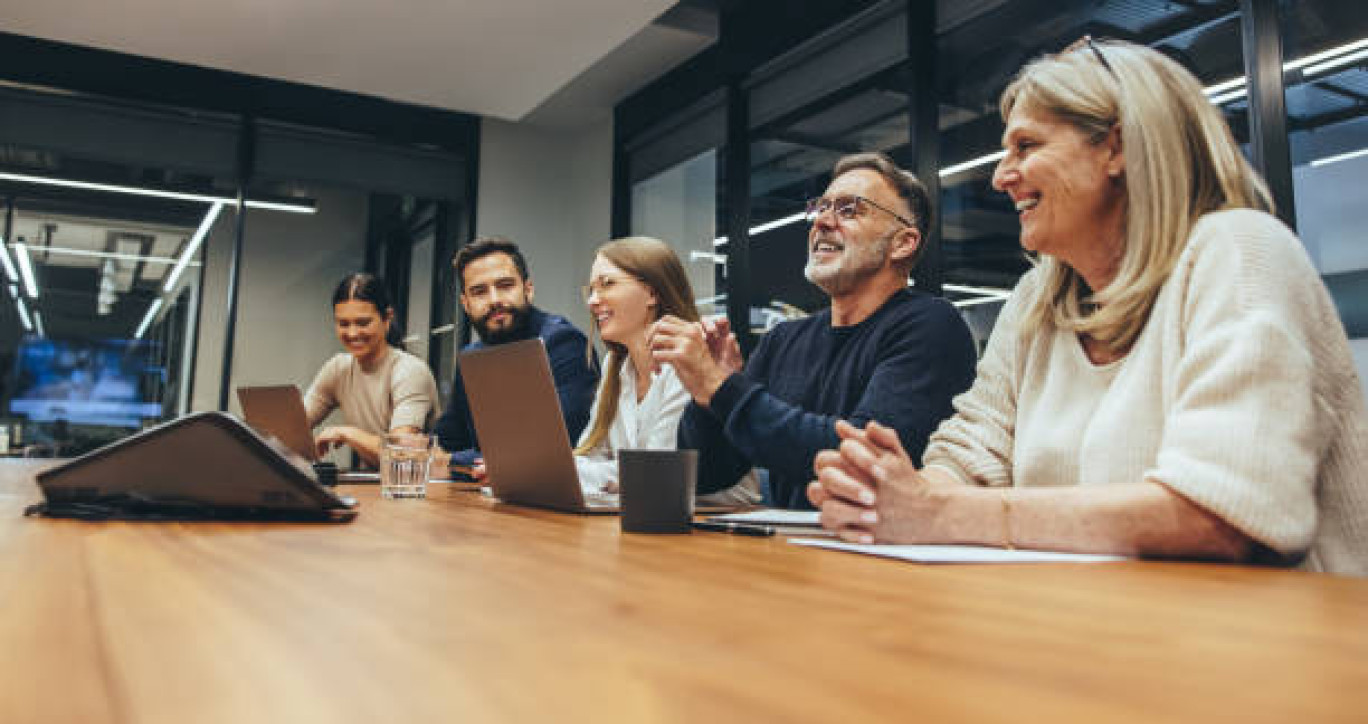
x: 868, y: 490
x: 703, y: 353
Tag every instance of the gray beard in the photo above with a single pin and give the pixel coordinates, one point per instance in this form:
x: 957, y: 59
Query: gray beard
x: 851, y: 270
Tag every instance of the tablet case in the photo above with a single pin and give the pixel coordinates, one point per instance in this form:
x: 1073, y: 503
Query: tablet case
x: 203, y: 465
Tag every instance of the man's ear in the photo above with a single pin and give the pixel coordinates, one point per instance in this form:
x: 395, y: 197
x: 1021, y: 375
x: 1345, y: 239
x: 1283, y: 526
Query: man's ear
x: 905, y: 244
x: 530, y: 291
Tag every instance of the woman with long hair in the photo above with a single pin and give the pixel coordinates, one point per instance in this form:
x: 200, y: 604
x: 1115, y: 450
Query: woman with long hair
x: 634, y: 282
x: 379, y: 387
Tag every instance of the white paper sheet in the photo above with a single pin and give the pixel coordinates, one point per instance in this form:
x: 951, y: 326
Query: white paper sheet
x: 956, y: 554
x: 771, y: 516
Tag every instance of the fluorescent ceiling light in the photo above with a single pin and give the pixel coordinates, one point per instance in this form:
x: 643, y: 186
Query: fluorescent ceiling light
x: 26, y: 271
x: 961, y: 304
x: 193, y: 246
x: 1340, y: 157
x: 38, y: 322
x: 1325, y: 55
x: 23, y: 315
x: 14, y: 292
x: 9, y: 265
x: 1319, y: 68
x: 993, y: 157
x: 768, y: 225
x: 696, y: 255
x: 146, y: 259
x: 147, y: 320
x: 1224, y: 98
x: 1225, y: 91
x: 966, y: 289
x: 158, y: 193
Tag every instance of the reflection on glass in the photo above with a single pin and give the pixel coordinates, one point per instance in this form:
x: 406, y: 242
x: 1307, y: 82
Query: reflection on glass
x: 791, y: 162
x: 677, y: 206
x: 979, y: 231
x: 1326, y: 45
x: 102, y: 282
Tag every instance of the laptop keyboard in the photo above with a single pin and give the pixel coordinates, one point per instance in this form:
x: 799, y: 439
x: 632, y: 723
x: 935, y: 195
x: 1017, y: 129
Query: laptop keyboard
x: 602, y: 500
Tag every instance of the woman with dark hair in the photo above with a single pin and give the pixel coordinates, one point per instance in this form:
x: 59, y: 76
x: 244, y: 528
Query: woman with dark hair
x: 380, y: 387
x: 634, y: 282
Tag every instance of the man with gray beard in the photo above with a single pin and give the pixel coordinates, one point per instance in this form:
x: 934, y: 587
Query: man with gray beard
x: 880, y: 352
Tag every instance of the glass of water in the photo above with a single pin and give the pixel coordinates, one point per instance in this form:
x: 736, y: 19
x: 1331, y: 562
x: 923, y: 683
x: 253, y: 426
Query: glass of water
x: 404, y: 463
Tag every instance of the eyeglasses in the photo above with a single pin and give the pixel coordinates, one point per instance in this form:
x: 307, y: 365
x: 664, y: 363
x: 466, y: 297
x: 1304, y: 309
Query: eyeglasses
x: 847, y: 208
x: 1087, y: 42
x: 602, y: 285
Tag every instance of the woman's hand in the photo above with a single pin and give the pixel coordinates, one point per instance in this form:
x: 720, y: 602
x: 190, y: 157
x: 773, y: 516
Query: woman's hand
x: 331, y: 437
x: 869, y: 490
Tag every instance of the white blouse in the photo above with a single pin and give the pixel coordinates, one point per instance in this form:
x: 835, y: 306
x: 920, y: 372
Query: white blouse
x: 652, y: 423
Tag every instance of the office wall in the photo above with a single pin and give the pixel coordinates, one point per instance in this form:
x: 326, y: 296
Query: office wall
x: 549, y: 190
x: 291, y: 263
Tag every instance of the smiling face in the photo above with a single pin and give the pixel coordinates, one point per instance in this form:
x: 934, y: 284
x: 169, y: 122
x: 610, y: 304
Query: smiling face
x: 843, y: 252
x: 496, y: 298
x: 623, y: 306
x: 361, y: 328
x: 1065, y: 187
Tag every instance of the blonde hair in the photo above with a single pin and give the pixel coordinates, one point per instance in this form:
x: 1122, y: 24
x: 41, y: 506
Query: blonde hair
x: 1180, y: 162
x: 655, y: 264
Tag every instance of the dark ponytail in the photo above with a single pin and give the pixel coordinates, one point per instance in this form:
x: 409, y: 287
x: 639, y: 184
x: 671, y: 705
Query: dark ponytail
x: 363, y: 287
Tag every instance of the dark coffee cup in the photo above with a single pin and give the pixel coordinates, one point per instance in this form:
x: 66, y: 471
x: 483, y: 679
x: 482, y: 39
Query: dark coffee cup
x: 657, y: 490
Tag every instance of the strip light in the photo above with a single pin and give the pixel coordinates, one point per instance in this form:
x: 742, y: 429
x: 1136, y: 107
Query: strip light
x: 1314, y: 64
x: 5, y: 261
x: 26, y: 271
x: 147, y: 320
x: 1340, y: 157
x: 23, y: 315
x: 993, y: 157
x: 194, y: 245
x: 146, y: 259
x: 38, y: 322
x: 158, y: 193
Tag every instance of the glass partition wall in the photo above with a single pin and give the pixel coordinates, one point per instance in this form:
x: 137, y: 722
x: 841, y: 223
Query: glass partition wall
x: 134, y: 289
x: 1325, y: 44
x: 101, y: 259
x: 850, y: 86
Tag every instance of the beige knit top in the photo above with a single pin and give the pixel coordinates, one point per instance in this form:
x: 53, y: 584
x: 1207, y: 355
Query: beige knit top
x: 1240, y: 394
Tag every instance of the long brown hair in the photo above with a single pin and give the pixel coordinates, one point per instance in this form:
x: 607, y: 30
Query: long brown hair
x: 655, y: 264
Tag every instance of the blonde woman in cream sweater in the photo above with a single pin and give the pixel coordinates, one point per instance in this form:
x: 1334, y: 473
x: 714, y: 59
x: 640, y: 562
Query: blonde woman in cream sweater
x: 1171, y: 380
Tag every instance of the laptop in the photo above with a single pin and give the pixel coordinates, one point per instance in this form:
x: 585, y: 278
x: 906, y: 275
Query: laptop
x: 521, y: 430
x: 278, y: 411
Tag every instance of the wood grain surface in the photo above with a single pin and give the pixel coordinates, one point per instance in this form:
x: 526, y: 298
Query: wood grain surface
x: 457, y: 608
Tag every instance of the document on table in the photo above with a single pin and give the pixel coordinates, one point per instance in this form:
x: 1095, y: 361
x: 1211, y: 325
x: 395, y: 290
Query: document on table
x: 784, y: 522
x: 956, y: 554
x: 770, y: 516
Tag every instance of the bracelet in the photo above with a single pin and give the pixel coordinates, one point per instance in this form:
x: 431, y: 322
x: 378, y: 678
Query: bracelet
x: 1007, y: 522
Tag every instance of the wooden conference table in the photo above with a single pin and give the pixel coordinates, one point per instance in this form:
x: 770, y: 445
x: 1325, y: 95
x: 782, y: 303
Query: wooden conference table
x: 460, y: 609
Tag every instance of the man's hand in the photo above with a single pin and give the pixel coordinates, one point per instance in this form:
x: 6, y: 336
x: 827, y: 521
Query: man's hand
x: 686, y: 347
x: 722, y: 344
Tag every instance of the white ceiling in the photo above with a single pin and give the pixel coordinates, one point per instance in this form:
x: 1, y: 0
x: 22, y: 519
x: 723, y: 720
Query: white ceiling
x: 499, y: 58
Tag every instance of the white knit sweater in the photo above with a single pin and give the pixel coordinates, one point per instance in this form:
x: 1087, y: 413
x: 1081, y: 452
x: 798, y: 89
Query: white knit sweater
x: 1240, y: 394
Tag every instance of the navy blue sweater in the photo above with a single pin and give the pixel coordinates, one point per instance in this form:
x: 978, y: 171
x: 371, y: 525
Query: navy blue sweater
x: 576, y: 379
x: 901, y: 367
